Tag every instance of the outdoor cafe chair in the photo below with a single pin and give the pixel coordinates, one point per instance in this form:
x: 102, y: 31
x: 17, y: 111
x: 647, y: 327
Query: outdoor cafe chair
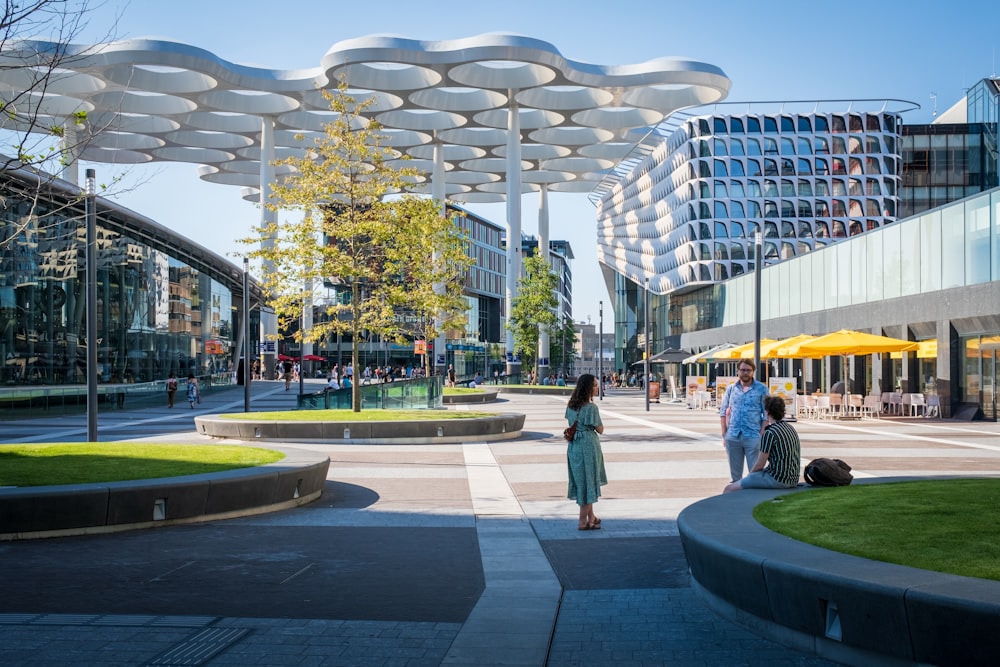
x: 917, y: 405
x: 896, y: 403
x: 807, y: 406
x: 855, y: 403
x: 872, y: 406
x: 823, y: 409
x: 836, y: 403
x: 933, y: 407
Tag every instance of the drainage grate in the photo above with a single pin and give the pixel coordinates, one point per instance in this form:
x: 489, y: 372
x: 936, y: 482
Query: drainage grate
x: 200, y: 647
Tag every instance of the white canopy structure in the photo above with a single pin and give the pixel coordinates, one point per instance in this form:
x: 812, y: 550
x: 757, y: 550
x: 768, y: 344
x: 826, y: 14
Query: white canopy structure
x: 487, y: 117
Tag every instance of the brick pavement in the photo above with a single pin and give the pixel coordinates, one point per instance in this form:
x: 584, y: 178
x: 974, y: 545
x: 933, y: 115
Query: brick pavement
x: 540, y: 592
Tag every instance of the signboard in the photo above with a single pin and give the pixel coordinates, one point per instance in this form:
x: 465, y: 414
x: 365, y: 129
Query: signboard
x: 696, y: 384
x: 419, y: 347
x: 269, y: 347
x: 786, y: 388
x: 722, y: 382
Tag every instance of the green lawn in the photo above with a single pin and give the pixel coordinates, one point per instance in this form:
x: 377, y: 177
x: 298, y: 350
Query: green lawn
x: 458, y: 391
x: 945, y: 525
x: 84, y: 463
x: 363, y: 416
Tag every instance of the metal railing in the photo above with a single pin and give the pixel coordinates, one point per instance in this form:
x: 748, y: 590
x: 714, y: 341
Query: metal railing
x: 422, y: 393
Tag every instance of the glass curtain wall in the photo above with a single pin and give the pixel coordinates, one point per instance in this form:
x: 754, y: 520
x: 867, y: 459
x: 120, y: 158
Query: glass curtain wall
x: 155, y: 313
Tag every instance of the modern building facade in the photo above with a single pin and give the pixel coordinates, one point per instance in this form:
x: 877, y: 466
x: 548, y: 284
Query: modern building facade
x: 484, y: 293
x: 829, y: 200
x: 165, y: 304
x: 956, y: 156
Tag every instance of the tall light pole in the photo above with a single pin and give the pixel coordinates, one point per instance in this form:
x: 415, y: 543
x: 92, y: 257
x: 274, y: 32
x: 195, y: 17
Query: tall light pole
x: 645, y: 366
x: 91, y: 258
x: 247, y: 374
x: 758, y: 264
x: 600, y: 351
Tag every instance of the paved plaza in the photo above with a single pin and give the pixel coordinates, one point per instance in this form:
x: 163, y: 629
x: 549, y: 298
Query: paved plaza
x: 464, y: 554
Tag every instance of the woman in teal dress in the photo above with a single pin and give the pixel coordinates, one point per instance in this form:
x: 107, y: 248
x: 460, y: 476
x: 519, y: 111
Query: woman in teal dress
x: 584, y: 457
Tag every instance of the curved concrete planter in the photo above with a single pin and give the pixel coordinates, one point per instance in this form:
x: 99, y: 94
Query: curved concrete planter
x: 841, y: 607
x: 504, y: 426
x: 53, y: 511
x: 487, y: 396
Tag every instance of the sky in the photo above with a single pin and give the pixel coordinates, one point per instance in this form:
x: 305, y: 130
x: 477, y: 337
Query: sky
x: 912, y: 50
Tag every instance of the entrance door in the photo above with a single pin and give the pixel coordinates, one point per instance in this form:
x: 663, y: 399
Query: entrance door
x: 990, y: 355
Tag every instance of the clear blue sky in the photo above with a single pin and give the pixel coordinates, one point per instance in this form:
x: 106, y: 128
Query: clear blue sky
x: 772, y: 50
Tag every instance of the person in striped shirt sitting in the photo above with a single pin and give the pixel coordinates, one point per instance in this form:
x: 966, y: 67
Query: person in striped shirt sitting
x: 778, y: 464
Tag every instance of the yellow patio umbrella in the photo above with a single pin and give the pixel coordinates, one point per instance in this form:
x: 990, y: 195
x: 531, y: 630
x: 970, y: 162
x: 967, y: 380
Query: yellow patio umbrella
x: 847, y: 342
x: 707, y: 354
x: 740, y: 351
x: 772, y: 350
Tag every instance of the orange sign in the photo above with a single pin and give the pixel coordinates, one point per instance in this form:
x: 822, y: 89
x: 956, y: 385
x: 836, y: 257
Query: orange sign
x: 419, y: 347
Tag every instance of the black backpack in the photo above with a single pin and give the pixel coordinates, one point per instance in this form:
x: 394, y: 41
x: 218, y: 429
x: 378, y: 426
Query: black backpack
x: 827, y: 472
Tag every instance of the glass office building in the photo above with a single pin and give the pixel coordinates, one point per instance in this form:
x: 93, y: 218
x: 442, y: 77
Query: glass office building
x: 164, y: 304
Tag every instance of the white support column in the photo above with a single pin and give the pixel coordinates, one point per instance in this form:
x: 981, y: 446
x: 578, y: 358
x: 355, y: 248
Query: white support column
x: 543, y: 249
x: 438, y: 192
x: 513, y: 222
x: 268, y: 320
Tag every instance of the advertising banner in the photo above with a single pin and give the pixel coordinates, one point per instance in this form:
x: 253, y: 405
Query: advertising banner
x: 696, y: 386
x: 787, y: 389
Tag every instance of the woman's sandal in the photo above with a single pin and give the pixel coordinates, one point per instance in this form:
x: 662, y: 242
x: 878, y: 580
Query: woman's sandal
x: 589, y: 526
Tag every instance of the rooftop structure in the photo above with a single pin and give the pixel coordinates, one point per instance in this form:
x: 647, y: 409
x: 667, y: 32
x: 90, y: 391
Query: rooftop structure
x: 488, y: 117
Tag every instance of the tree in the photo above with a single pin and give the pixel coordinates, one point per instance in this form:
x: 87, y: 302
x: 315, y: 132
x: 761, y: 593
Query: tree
x: 389, y: 251
x: 533, y: 309
x: 442, y: 307
x: 40, y: 129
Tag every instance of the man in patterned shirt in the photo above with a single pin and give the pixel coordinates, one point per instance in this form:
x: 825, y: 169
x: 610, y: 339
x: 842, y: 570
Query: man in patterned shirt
x: 778, y: 465
x: 742, y: 415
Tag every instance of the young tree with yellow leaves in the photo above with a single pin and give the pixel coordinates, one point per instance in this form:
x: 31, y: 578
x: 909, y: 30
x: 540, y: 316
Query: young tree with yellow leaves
x: 390, y: 251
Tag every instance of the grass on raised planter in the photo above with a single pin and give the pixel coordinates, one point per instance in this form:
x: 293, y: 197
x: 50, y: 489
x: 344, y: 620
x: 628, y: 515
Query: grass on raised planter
x: 93, y: 462
x: 363, y: 416
x: 941, y: 525
x: 457, y: 391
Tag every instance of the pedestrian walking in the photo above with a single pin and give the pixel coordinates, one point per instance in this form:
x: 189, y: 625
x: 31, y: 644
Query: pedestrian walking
x: 171, y: 389
x: 193, y: 392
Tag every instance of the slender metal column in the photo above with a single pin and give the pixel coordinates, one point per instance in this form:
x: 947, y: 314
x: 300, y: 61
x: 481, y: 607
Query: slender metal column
x: 645, y: 366
x: 758, y: 264
x: 91, y: 258
x: 513, y: 222
x: 600, y: 350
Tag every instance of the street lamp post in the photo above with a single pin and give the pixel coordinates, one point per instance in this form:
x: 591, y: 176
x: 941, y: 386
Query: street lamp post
x: 600, y: 351
x: 758, y: 264
x: 645, y: 366
x: 91, y: 258
x: 247, y: 364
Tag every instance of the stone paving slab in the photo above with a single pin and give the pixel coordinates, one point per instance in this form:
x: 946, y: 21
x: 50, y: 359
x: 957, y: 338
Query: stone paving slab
x: 406, y: 527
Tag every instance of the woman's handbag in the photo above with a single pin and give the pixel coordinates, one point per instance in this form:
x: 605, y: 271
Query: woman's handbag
x: 570, y: 433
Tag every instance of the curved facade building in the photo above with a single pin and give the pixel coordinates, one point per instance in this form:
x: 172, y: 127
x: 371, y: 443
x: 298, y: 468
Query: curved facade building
x: 686, y: 215
x: 165, y: 304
